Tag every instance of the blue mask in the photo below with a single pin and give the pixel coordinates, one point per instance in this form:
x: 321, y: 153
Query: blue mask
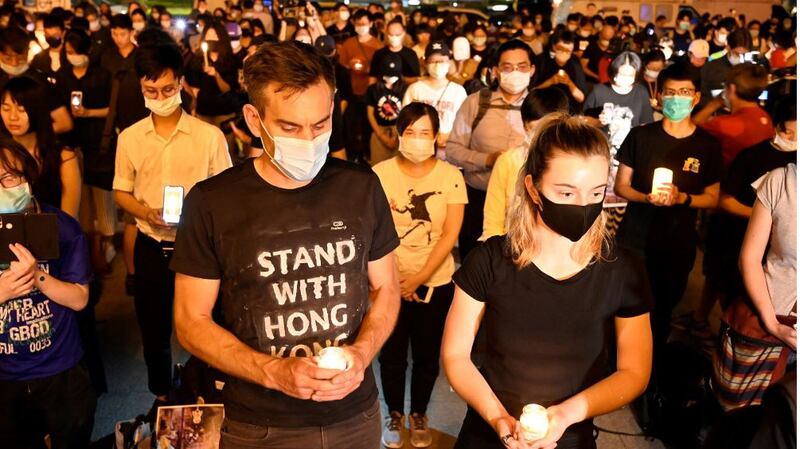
x: 676, y: 108
x: 15, y: 199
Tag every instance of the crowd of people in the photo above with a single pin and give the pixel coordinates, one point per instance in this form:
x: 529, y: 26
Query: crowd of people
x: 533, y: 197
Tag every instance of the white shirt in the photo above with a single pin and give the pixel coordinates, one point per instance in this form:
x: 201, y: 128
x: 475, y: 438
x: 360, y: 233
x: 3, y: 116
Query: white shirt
x: 446, y: 100
x: 146, y: 162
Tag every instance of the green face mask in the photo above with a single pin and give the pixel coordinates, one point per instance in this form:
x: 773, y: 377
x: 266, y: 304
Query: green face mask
x: 677, y: 108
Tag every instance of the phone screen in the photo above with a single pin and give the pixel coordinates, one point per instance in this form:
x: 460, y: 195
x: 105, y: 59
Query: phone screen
x: 173, y: 204
x: 715, y: 92
x: 76, y: 98
x: 764, y: 96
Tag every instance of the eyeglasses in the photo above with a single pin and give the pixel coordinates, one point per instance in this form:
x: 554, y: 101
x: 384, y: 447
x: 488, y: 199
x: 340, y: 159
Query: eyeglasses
x: 10, y: 180
x: 521, y: 67
x: 167, y: 91
x: 683, y: 92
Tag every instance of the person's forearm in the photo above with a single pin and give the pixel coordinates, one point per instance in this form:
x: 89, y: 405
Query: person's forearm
x: 379, y: 320
x: 216, y: 346
x: 98, y: 113
x: 67, y: 294
x: 577, y: 93
x: 372, y: 122
x: 71, y: 187
x: 630, y: 194
x: 460, y: 155
x: 608, y: 395
x: 708, y: 110
x: 438, y: 254
x: 224, y: 87
x: 131, y: 205
x: 755, y: 282
x: 703, y: 201
x: 471, y: 386
x: 730, y: 205
x: 62, y: 120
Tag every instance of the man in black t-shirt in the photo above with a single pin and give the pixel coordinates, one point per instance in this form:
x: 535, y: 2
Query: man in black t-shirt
x: 302, y: 260
x: 660, y: 225
x: 395, y: 34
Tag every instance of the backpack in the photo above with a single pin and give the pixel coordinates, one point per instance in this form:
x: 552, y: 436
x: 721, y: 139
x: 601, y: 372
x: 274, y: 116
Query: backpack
x: 485, y: 103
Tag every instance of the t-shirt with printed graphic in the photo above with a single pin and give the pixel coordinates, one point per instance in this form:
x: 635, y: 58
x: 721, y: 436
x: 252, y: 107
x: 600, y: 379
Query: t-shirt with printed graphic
x: 696, y: 163
x: 39, y: 338
x: 293, y: 271
x: 446, y: 100
x: 419, y: 210
x: 387, y: 102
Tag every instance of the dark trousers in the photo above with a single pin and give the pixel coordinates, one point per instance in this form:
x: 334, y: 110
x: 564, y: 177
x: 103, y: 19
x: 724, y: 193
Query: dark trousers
x: 155, y: 289
x: 423, y: 325
x: 472, y: 227
x: 61, y: 405
x: 477, y: 434
x: 358, y: 131
x: 362, y: 431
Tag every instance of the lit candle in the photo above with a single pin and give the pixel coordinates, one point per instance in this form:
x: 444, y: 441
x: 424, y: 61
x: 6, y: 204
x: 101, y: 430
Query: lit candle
x: 534, y: 422
x: 204, y: 47
x: 661, y: 176
x: 332, y: 358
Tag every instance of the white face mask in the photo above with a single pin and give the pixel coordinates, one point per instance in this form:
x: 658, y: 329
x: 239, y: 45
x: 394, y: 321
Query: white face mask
x: 344, y: 16
x: 528, y: 32
x: 14, y: 70
x: 94, y: 25
x: 165, y: 107
x: 391, y: 79
x: 735, y: 59
x: 304, y: 39
x: 416, y: 149
x: 362, y: 30
x: 236, y: 44
x: 722, y: 38
x: 784, y: 144
x: 138, y: 26
x: 479, y: 41
x: 78, y: 60
x: 651, y: 74
x: 439, y: 70
x: 395, y: 41
x: 258, y: 7
x: 515, y: 82
x: 298, y: 159
x: 623, y: 84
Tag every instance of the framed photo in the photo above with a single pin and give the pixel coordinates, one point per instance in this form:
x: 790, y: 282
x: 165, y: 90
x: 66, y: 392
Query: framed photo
x: 189, y: 426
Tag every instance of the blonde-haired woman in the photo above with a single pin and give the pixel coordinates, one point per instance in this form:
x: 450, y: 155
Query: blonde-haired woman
x: 549, y: 294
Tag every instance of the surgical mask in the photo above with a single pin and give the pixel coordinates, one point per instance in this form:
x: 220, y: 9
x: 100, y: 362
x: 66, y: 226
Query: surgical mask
x: 138, y: 26
x: 94, y: 25
x: 304, y: 39
x: 14, y: 70
x: 439, y: 70
x: 570, y: 220
x: 416, y: 149
x: 298, y: 159
x: 395, y: 41
x: 53, y: 42
x: 528, y: 32
x: 754, y: 34
x: 236, y: 44
x: 603, y: 42
x: 722, y: 38
x: 676, y: 108
x: 391, y: 79
x: 623, y: 84
x: 258, y: 7
x: 165, y: 107
x: 15, y: 199
x: 572, y: 27
x: 479, y: 41
x: 584, y: 33
x: 652, y: 74
x: 735, y: 59
x: 684, y: 25
x: 515, y: 82
x: 78, y: 60
x: 784, y: 144
x: 362, y: 30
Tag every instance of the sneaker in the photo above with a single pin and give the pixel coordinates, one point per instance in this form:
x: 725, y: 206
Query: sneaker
x: 393, y: 432
x: 420, y: 434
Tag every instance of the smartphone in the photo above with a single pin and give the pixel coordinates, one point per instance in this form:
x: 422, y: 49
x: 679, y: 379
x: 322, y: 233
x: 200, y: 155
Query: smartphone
x: 716, y: 92
x: 173, y: 204
x: 36, y: 232
x: 76, y: 99
x: 751, y: 56
x: 764, y: 96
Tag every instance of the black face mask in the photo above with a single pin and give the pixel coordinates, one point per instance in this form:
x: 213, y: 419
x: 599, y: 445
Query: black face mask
x: 569, y: 220
x: 53, y: 42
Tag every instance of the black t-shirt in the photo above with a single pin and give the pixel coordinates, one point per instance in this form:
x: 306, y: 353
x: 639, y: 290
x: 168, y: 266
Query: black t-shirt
x: 344, y: 88
x: 409, y: 66
x: 696, y: 163
x: 749, y: 165
x: 130, y: 101
x: 593, y: 54
x: 293, y: 271
x: 714, y: 48
x: 546, y: 339
x: 341, y: 35
x: 210, y: 99
x: 87, y: 132
x: 387, y: 102
x: 681, y: 41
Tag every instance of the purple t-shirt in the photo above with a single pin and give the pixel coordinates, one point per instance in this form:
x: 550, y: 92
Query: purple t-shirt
x: 38, y: 337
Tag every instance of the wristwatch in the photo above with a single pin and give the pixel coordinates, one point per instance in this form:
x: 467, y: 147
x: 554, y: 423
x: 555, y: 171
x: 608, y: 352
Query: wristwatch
x: 688, y: 201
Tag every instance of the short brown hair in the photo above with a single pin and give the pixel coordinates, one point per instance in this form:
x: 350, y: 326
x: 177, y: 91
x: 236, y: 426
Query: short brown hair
x: 750, y: 80
x: 295, y: 66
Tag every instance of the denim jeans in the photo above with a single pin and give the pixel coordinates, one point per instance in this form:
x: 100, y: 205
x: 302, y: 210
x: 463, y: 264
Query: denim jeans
x: 362, y: 431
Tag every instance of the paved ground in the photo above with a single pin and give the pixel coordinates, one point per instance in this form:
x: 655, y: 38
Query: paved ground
x: 128, y: 395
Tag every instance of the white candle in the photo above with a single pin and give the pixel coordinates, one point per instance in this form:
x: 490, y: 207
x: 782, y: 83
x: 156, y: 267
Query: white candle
x: 661, y: 176
x: 204, y: 47
x: 332, y: 358
x: 534, y: 422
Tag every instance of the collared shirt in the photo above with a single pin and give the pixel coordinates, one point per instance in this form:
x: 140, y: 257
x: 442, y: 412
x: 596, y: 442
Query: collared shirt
x: 499, y: 130
x: 146, y: 162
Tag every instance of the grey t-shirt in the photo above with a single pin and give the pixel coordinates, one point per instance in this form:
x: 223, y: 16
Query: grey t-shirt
x: 776, y: 191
